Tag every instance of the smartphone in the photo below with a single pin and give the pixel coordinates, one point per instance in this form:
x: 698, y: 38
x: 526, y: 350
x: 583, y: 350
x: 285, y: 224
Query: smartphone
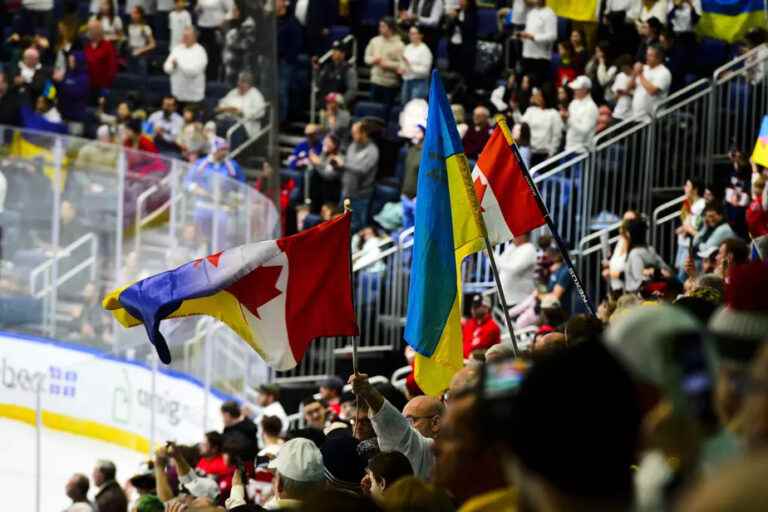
x: 503, y: 377
x: 500, y: 384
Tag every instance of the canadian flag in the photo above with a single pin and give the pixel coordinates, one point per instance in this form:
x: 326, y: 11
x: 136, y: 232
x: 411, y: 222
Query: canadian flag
x: 277, y: 295
x: 507, y: 203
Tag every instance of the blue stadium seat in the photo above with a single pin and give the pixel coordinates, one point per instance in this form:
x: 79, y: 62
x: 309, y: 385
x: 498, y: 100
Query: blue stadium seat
x: 338, y: 32
x: 383, y: 194
x: 486, y: 23
x: 159, y: 85
x: 374, y: 10
x: 216, y: 89
x: 128, y: 82
x: 442, y: 53
x: 563, y: 28
x: 712, y: 54
x: 371, y: 109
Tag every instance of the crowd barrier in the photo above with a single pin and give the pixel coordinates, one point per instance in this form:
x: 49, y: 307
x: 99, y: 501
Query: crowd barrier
x: 82, y: 217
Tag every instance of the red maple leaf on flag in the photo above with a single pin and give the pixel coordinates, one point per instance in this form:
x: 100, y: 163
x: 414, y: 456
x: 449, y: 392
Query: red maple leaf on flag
x: 480, y: 192
x: 213, y: 259
x: 257, y: 288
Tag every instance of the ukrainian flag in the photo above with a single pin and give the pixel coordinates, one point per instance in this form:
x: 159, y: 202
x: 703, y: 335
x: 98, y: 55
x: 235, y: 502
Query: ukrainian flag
x: 447, y: 229
x: 760, y: 154
x: 729, y: 20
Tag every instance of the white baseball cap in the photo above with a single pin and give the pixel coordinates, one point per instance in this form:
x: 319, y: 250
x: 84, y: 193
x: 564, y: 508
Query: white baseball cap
x: 299, y: 459
x: 580, y: 82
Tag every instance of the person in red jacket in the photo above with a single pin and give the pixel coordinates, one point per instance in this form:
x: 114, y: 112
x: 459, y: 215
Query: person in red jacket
x: 141, y: 162
x: 212, y: 461
x: 101, y: 58
x: 757, y: 212
x: 481, y: 331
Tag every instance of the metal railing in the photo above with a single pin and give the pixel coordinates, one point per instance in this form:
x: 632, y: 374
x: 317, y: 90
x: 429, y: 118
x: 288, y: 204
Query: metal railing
x: 663, y: 227
x: 252, y: 139
x: 52, y: 280
x: 143, y: 220
x: 590, y: 257
x: 315, y: 89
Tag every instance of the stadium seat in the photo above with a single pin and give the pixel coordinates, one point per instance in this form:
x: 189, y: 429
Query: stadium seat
x: 712, y: 54
x: 128, y: 82
x: 338, y: 32
x: 487, y: 26
x: 383, y: 194
x: 159, y: 85
x: 216, y: 89
x: 374, y: 10
x: 371, y: 109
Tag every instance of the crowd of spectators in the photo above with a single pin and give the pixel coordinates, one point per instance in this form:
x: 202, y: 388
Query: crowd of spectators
x: 668, y: 391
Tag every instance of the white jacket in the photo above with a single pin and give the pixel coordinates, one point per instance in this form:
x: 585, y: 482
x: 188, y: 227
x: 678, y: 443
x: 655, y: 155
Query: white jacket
x: 582, y: 121
x: 186, y: 65
x: 396, y: 434
x: 546, y: 129
x: 542, y: 23
x: 418, y: 62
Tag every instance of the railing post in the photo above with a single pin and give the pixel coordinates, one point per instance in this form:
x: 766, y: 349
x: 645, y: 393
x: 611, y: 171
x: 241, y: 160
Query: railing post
x: 216, y: 212
x: 120, y: 214
x: 175, y: 176
x: 153, y: 410
x: 38, y: 444
x: 206, y: 374
x: 58, y: 153
x: 650, y: 139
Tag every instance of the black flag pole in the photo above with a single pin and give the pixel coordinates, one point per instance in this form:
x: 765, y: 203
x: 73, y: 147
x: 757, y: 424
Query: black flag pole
x: 547, y: 218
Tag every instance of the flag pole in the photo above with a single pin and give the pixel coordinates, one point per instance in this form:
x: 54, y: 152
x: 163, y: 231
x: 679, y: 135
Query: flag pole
x: 467, y: 177
x: 348, y: 209
x: 547, y: 218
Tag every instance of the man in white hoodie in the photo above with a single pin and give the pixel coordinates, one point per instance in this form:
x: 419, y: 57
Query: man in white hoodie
x: 186, y: 64
x: 581, y: 118
x: 538, y: 37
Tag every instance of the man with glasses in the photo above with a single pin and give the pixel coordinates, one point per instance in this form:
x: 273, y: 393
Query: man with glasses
x: 412, y: 433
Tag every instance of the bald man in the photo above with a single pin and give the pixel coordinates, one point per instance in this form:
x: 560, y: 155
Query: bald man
x: 412, y: 433
x: 31, y: 77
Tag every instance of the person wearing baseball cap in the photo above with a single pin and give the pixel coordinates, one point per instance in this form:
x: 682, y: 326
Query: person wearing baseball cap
x: 581, y: 118
x: 480, y: 332
x: 299, y: 472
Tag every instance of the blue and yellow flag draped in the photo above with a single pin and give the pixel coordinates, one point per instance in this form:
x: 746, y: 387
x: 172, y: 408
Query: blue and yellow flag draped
x: 447, y: 229
x: 760, y: 154
x: 729, y: 20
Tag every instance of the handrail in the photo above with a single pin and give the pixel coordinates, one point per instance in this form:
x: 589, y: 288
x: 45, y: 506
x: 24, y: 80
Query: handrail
x: 243, y: 121
x: 264, y: 130
x: 140, y: 221
x: 59, y: 255
x: 320, y: 61
x: 597, y: 235
x: 719, y: 77
x: 674, y: 202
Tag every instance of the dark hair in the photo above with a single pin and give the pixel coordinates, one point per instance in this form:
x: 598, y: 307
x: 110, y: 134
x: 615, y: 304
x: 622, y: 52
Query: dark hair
x: 582, y: 327
x: 271, y: 425
x: 214, y: 439
x: 607, y: 49
x: 232, y: 408
x: 142, y: 14
x: 389, y: 21
x: 607, y: 433
x: 714, y: 206
x: 390, y: 466
x: 134, y: 124
x: 525, y: 135
x: 111, y: 14
x: 738, y: 248
x: 697, y: 184
x: 654, y: 24
x: 659, y: 50
x: 638, y: 231
x: 699, y: 307
x: 81, y: 484
x: 624, y: 60
x: 567, y: 45
x: 311, y: 399
x: 107, y: 468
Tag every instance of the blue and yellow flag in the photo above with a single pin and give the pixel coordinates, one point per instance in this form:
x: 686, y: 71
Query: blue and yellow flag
x: 729, y: 20
x: 760, y: 154
x: 448, y: 228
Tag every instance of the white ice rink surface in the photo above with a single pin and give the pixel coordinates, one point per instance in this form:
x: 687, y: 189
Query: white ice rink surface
x: 62, y: 455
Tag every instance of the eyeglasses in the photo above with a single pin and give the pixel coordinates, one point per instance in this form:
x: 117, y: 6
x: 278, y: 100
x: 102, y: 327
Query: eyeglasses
x: 414, y: 419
